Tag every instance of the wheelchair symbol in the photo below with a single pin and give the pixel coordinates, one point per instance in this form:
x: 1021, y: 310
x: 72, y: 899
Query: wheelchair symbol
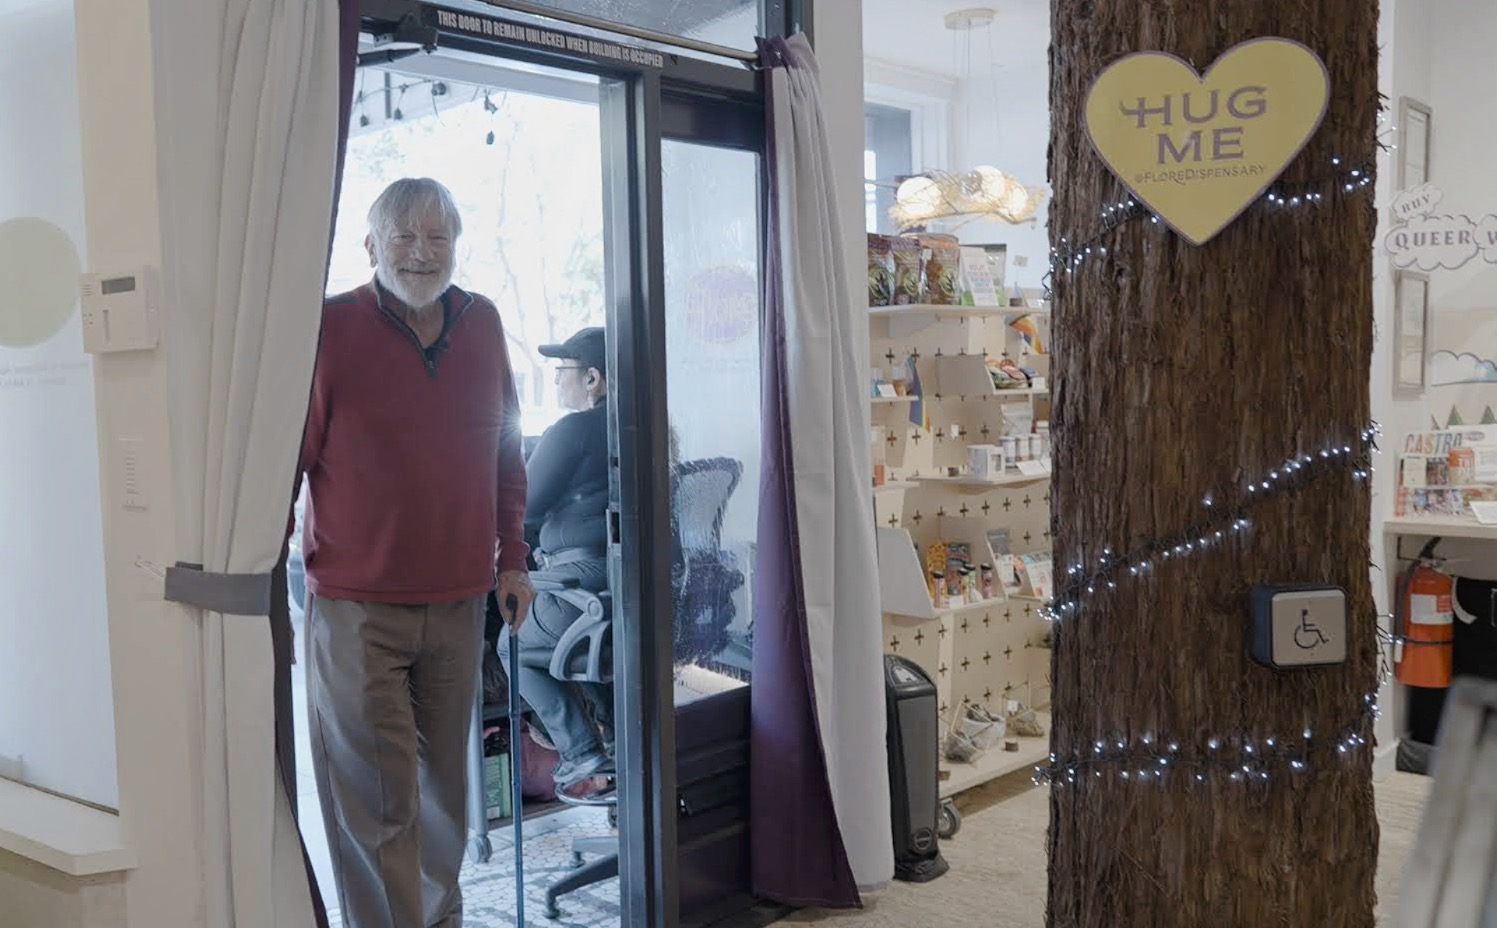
x: 1307, y: 635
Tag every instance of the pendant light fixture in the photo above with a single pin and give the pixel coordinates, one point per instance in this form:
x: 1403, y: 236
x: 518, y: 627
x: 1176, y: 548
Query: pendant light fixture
x: 984, y: 192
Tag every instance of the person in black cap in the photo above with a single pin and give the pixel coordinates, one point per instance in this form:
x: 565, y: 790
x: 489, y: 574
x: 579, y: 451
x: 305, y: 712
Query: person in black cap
x: 566, y: 510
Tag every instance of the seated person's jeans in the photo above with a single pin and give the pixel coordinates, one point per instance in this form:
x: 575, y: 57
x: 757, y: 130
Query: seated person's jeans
x: 568, y: 711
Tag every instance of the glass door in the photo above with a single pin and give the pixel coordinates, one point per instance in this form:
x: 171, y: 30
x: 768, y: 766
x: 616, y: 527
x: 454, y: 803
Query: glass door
x: 685, y: 322
x: 712, y: 189
x: 671, y: 153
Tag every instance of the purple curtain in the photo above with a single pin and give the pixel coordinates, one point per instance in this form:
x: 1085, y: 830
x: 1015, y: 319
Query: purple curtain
x: 798, y: 854
x: 280, y: 617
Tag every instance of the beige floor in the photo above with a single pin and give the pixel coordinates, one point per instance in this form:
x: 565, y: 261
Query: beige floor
x: 997, y: 877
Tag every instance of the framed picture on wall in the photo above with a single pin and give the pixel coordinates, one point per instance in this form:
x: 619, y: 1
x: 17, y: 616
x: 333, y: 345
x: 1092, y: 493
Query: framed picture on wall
x: 1411, y: 292
x: 1415, y: 122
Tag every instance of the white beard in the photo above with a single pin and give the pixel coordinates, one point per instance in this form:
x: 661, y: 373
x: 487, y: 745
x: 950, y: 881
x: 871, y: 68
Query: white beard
x: 417, y: 293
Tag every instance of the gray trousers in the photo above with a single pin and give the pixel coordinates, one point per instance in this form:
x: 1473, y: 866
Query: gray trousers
x: 391, y: 691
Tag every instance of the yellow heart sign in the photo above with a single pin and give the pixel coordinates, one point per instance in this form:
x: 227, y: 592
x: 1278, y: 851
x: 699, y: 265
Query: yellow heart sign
x: 1195, y: 149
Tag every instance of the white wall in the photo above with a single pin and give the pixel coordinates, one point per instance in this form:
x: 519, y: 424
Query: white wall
x: 1441, y: 58
x: 1440, y: 55
x: 1013, y: 135
x: 1404, y: 54
x: 1464, y: 302
x: 56, y: 701
x: 152, y: 645
x: 997, y: 109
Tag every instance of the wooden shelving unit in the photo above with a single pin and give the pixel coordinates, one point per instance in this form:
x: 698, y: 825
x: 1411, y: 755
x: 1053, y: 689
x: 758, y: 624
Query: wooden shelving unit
x: 986, y: 652
x: 983, y: 484
x: 1444, y: 528
x: 903, y: 321
x: 934, y: 311
x: 996, y: 763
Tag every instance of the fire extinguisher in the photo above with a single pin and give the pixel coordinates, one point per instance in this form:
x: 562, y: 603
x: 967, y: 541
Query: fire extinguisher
x: 1425, y: 623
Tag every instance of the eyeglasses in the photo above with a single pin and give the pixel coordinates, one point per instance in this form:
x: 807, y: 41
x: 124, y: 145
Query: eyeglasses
x: 568, y: 367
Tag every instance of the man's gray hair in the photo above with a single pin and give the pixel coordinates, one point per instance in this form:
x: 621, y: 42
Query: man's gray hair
x: 411, y: 197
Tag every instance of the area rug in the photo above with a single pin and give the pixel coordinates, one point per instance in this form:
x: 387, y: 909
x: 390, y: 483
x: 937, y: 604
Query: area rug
x: 489, y: 888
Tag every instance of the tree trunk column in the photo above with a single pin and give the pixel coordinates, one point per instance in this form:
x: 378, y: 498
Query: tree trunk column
x: 1182, y: 372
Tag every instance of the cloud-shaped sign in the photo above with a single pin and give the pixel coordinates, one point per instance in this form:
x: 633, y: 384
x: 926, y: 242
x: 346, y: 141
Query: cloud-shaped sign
x: 1486, y: 238
x: 1418, y: 201
x: 1447, y: 367
x: 1431, y: 242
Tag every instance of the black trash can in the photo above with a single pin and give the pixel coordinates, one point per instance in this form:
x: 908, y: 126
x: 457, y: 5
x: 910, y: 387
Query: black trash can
x: 914, y: 780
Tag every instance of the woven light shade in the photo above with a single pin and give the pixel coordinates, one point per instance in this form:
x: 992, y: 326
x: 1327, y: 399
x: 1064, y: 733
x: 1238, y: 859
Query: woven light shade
x: 982, y: 193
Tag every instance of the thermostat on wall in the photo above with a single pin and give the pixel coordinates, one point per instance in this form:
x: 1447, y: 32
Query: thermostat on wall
x: 120, y: 311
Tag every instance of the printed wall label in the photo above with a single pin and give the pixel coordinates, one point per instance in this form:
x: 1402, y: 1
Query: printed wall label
x: 1198, y: 149
x: 483, y: 26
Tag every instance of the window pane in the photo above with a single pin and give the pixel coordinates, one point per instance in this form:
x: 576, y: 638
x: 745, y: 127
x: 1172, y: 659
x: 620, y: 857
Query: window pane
x: 56, y: 695
x: 888, y: 156
x: 712, y: 373
x: 733, y: 23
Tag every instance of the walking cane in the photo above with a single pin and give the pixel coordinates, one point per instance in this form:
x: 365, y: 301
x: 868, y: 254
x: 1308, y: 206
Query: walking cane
x: 516, y: 773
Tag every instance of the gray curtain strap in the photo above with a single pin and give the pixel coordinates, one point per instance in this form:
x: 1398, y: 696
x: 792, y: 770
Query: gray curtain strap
x: 229, y: 594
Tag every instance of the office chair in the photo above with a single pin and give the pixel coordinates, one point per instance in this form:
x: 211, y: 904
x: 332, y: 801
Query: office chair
x: 704, y: 575
x: 702, y: 579
x: 584, y: 655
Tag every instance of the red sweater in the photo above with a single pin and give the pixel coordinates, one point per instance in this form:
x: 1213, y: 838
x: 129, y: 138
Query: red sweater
x: 412, y: 456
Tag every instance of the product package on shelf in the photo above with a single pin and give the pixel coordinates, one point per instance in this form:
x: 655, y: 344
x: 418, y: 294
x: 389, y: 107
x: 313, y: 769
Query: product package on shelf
x: 955, y: 578
x: 985, y: 462
x: 1038, y: 574
x: 880, y: 271
x: 936, y: 567
x: 1005, y: 563
x: 979, y: 287
x: 982, y: 272
x: 942, y: 258
x: 908, y: 272
x: 1010, y: 376
x: 1440, y: 473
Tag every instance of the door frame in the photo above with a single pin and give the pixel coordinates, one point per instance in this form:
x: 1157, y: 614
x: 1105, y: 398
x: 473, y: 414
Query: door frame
x: 685, y: 99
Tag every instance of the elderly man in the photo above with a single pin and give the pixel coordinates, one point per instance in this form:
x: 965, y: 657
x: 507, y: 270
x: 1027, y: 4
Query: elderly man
x: 416, y: 501
x: 567, y: 509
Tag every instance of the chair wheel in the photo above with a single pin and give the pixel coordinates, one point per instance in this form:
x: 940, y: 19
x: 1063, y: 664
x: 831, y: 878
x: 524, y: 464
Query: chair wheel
x: 613, y: 817
x: 577, y: 861
x: 480, y: 849
x: 552, y: 912
x: 948, y: 820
